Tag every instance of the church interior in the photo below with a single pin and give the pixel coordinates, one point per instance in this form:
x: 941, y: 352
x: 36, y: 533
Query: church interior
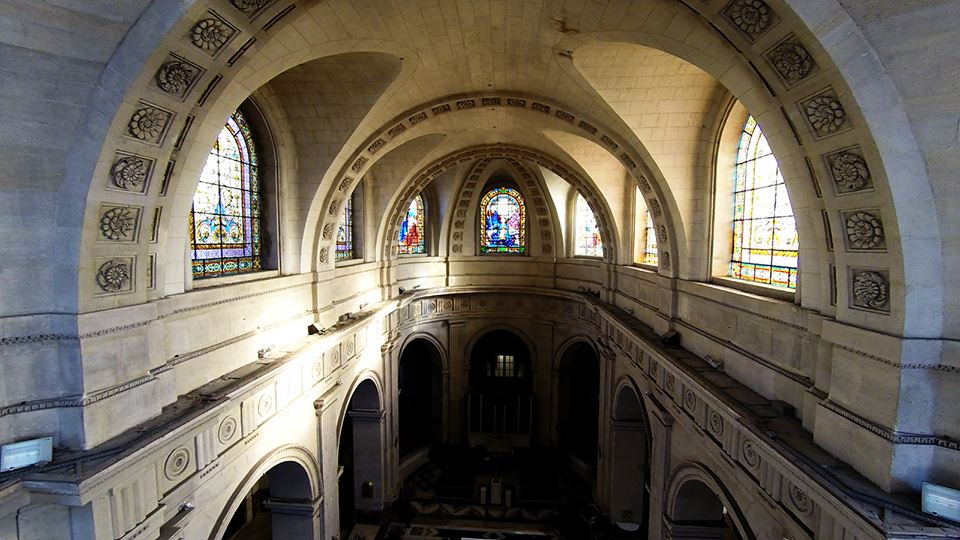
x: 479, y: 269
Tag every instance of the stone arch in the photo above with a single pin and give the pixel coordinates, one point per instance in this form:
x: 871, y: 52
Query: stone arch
x: 694, y: 483
x: 308, y: 487
x: 507, y: 327
x: 577, y: 375
x: 361, y: 449
x: 630, y: 457
x: 469, y: 188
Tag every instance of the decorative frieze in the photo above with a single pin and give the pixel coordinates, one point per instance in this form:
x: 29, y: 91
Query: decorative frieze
x: 849, y: 170
x: 115, y: 275
x: 752, y: 18
x: 791, y: 60
x: 864, y: 230
x: 131, y: 173
x: 119, y: 223
x: 212, y: 34
x: 177, y: 76
x: 824, y: 114
x: 149, y: 123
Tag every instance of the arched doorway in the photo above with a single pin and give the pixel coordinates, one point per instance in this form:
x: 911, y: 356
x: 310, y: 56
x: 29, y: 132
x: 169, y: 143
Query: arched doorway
x: 360, y: 456
x: 699, y: 508
x: 500, y: 406
x: 630, y: 478
x: 420, y: 399
x: 578, y: 404
x: 279, y: 506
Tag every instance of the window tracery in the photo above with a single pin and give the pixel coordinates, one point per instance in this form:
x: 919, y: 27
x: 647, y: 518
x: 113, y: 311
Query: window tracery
x: 502, y: 221
x: 765, y: 240
x: 225, y: 223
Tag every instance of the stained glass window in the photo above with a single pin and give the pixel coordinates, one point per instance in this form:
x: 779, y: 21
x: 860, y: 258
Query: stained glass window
x: 502, y: 221
x: 412, y: 231
x: 765, y: 243
x: 588, y: 233
x: 225, y: 217
x: 345, y: 232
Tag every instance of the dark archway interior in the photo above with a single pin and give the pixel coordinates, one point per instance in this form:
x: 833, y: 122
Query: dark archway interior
x: 253, y: 520
x: 501, y: 385
x: 630, y: 484
x: 578, y: 405
x: 357, y: 444
x: 699, y: 509
x: 420, y: 396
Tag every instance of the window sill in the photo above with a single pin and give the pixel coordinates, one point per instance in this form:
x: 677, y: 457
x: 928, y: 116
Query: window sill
x: 758, y: 289
x: 206, y: 283
x: 646, y: 266
x: 348, y: 262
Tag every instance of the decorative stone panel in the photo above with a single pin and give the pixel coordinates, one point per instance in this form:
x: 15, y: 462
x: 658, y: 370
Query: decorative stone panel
x: 849, y: 170
x: 149, y: 123
x: 752, y: 18
x: 791, y: 60
x: 251, y: 7
x: 870, y: 289
x: 211, y: 34
x: 119, y: 223
x: 114, y: 275
x: 824, y: 114
x: 176, y: 76
x: 130, y: 173
x: 863, y: 230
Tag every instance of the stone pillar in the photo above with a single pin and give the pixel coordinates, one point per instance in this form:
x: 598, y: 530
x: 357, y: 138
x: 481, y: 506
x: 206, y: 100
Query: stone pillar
x: 295, y: 519
x: 327, y: 435
x: 368, y: 444
x: 459, y: 381
x: 390, y: 355
x: 608, y: 371
x: 661, y: 428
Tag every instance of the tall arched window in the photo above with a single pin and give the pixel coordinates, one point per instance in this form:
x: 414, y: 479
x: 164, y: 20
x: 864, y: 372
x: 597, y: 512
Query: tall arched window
x: 588, y: 241
x: 412, y: 236
x: 645, y: 242
x: 345, y: 232
x: 765, y: 243
x: 225, y: 217
x: 502, y: 221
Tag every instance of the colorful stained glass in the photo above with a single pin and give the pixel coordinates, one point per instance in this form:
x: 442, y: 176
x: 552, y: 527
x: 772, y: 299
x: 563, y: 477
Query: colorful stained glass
x: 411, y: 239
x: 345, y: 232
x: 765, y: 241
x: 502, y: 221
x: 225, y: 218
x: 589, y: 243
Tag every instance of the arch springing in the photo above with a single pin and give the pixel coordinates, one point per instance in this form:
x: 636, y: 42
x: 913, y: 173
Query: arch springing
x: 502, y: 221
x: 588, y: 240
x: 412, y: 236
x: 225, y: 216
x: 765, y: 241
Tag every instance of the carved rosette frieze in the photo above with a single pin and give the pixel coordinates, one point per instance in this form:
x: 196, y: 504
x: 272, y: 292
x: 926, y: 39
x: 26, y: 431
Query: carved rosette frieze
x: 227, y: 431
x: 870, y: 289
x: 177, y: 76
x: 849, y: 171
x: 644, y: 184
x: 251, y: 7
x: 115, y: 275
x: 864, y: 230
x: 751, y: 17
x: 176, y: 463
x: 654, y: 206
x: 149, y: 123
x: 791, y: 60
x: 130, y: 173
x: 119, y: 223
x: 824, y: 114
x: 211, y: 34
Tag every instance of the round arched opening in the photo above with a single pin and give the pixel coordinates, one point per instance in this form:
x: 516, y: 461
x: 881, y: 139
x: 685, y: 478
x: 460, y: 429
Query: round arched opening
x: 278, y: 506
x: 578, y: 405
x: 630, y: 481
x: 500, y: 406
x: 699, y: 512
x: 360, y: 455
x: 420, y: 399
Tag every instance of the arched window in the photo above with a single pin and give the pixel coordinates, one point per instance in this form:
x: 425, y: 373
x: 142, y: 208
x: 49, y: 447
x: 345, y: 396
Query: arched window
x: 345, y: 232
x: 589, y: 243
x: 645, y: 242
x: 765, y: 244
x: 412, y: 237
x: 502, y: 221
x: 225, y: 217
